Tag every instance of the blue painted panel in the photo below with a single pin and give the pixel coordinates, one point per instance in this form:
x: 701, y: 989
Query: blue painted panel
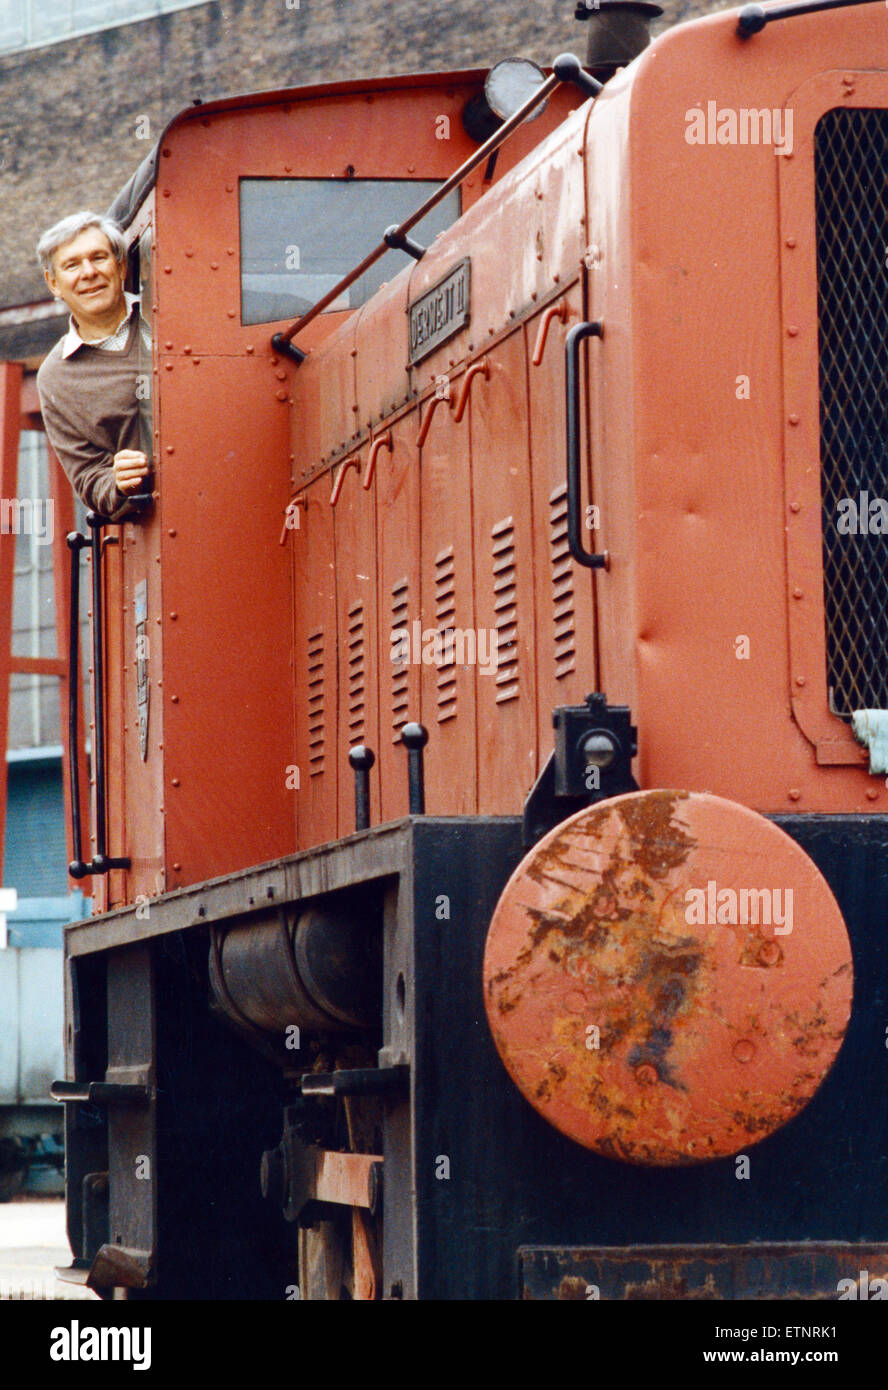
x: 36, y: 856
x: 38, y: 922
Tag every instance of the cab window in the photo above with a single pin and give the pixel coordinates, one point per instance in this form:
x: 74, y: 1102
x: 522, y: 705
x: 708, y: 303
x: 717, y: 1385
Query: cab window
x: 300, y: 236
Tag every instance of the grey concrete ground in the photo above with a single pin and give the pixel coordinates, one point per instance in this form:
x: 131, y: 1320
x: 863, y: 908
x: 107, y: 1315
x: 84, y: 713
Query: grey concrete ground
x: 32, y: 1242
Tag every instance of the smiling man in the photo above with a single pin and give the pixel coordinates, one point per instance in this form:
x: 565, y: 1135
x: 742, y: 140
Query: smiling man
x: 87, y: 385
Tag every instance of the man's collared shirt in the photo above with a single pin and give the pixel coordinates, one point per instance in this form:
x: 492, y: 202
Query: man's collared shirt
x: 115, y: 342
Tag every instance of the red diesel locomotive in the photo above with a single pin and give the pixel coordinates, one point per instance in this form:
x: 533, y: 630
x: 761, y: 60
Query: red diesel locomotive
x: 489, y: 809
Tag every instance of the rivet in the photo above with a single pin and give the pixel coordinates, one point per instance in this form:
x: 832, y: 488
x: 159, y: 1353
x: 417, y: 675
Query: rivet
x: 169, y: 366
x: 177, y: 866
x: 170, y: 449
x: 214, y: 265
x: 174, y: 699
x: 169, y: 345
x: 793, y: 419
x: 167, y: 153
x: 281, y: 376
x: 229, y: 188
x: 232, y: 313
x: 795, y: 506
x: 166, y: 192
x: 795, y: 794
x: 174, y: 616
x: 769, y: 953
x: 249, y: 347
x: 790, y: 241
x: 792, y: 331
x: 168, y: 270
x: 171, y: 531
x: 798, y: 593
x: 282, y: 395
x: 800, y: 681
x: 187, y: 349
x: 744, y: 1050
x: 872, y: 794
x: 229, y: 250
x: 189, y: 254
x: 196, y: 361
x: 176, y: 782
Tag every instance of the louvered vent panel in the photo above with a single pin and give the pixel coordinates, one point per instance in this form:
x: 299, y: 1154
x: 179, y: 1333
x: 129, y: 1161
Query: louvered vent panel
x: 356, y: 674
x: 316, y: 702
x: 505, y: 607
x: 400, y: 676
x: 563, y: 615
x: 445, y: 610
x: 851, y: 164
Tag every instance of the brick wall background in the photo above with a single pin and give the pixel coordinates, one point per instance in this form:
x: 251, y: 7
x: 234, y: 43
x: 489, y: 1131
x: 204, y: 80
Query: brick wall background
x: 73, y: 115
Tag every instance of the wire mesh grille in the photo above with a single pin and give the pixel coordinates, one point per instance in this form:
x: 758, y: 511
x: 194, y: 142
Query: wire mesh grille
x: 851, y: 153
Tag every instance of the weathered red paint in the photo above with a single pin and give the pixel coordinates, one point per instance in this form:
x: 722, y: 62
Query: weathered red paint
x: 639, y: 1030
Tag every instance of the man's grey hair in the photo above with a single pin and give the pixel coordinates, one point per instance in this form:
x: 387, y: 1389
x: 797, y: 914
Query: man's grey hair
x: 71, y: 227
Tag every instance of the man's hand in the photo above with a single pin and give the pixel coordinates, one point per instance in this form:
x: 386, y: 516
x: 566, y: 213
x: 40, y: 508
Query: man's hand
x: 130, y: 468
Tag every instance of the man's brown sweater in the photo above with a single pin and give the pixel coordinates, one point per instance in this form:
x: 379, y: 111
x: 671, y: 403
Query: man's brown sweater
x: 90, y: 412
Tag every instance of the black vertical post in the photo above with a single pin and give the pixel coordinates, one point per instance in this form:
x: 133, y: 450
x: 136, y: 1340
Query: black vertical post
x: 362, y: 759
x: 415, y: 737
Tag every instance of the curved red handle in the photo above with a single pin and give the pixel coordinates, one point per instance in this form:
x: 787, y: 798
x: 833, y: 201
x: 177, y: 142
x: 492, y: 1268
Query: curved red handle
x: 383, y: 442
x: 340, y: 477
x: 554, y: 311
x: 477, y: 368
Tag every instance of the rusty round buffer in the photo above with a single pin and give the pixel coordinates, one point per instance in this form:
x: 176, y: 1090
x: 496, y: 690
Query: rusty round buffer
x: 668, y: 977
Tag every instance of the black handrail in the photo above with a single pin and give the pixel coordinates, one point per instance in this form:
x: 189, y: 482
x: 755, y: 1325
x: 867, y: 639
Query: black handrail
x: 753, y: 18
x: 101, y: 863
x: 574, y: 488
x: 77, y: 869
x: 566, y: 68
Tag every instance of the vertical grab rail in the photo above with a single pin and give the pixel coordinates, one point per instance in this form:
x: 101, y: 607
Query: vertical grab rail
x: 101, y: 863
x: 574, y: 450
x: 77, y: 869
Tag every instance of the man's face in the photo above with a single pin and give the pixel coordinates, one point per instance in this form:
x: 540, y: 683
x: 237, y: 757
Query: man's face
x: 87, y: 277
